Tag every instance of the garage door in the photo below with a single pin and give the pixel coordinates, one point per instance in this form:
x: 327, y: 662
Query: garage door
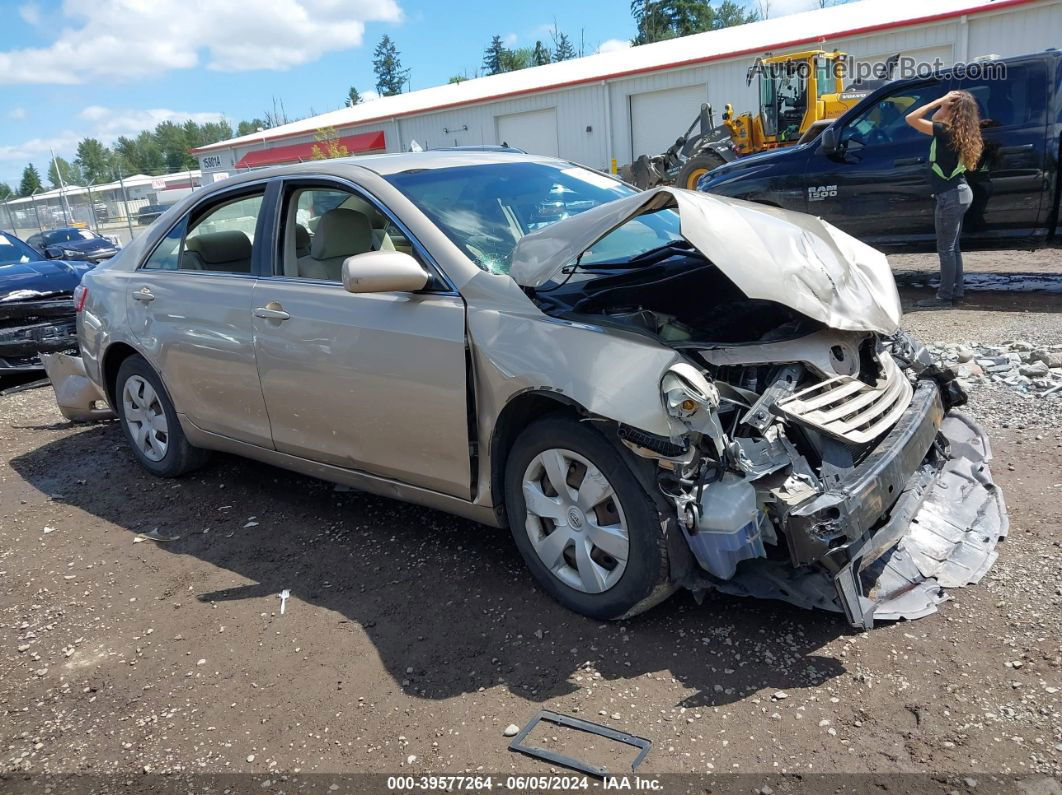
x: 659, y: 117
x: 534, y: 132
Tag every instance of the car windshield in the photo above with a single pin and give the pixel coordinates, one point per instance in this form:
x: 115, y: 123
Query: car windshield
x: 13, y: 251
x: 66, y: 236
x: 486, y: 209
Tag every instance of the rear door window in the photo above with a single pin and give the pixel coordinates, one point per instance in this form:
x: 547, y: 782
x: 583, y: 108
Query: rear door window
x: 217, y: 238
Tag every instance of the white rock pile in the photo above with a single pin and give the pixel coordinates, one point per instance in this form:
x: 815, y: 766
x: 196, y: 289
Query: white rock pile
x: 1028, y: 369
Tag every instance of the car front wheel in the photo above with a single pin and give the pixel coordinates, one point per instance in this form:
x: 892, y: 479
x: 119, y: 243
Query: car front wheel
x: 150, y: 422
x: 590, y: 535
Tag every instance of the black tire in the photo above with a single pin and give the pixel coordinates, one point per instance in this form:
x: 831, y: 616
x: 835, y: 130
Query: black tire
x: 696, y: 167
x: 644, y: 582
x: 180, y: 457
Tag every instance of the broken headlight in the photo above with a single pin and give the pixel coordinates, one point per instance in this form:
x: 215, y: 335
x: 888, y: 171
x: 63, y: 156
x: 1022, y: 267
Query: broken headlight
x: 686, y: 392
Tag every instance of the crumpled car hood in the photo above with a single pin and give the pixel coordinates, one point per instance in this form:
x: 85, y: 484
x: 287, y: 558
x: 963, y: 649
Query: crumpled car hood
x: 772, y: 254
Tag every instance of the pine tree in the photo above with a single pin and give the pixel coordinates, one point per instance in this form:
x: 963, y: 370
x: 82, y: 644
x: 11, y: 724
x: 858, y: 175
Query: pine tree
x: 31, y: 180
x: 353, y: 97
x: 390, y: 77
x: 5, y: 191
x: 564, y: 51
x: 494, y: 57
x: 540, y: 55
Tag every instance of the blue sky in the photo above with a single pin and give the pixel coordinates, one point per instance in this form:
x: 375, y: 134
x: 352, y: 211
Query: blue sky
x: 106, y: 68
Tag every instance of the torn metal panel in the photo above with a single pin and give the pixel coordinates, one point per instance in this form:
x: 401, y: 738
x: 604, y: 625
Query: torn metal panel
x: 79, y: 398
x: 793, y: 259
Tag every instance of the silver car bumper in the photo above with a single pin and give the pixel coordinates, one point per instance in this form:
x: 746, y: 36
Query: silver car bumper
x: 79, y: 399
x: 921, y: 514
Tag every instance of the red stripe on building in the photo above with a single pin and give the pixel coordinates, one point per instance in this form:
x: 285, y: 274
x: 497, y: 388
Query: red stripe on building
x: 359, y: 144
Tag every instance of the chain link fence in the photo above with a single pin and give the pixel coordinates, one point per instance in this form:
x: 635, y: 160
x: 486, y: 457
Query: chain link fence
x: 120, y: 210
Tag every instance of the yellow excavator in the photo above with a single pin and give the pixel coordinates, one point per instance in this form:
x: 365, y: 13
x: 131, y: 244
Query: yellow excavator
x: 800, y: 94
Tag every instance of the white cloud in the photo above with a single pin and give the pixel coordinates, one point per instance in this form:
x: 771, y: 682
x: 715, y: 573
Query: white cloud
x: 510, y: 39
x: 126, y: 39
x: 16, y: 114
x: 30, y: 13
x: 614, y: 45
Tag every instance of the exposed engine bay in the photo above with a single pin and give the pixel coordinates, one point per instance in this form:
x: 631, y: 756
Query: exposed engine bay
x: 819, y: 466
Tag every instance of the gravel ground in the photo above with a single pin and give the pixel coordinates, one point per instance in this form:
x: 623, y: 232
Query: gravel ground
x: 412, y: 639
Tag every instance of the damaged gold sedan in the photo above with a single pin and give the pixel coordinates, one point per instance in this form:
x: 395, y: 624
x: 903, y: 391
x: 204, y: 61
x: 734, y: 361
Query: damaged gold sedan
x: 651, y: 390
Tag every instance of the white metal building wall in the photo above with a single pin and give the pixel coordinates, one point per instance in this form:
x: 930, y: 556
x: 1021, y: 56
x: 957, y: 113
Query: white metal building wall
x: 590, y: 115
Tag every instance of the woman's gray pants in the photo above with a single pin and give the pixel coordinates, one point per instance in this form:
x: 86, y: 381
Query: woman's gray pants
x: 952, y: 205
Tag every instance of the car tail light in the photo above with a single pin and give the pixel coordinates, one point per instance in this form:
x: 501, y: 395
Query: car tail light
x: 80, y: 294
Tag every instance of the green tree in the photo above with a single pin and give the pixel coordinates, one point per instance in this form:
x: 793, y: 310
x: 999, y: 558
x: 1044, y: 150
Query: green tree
x: 140, y: 155
x: 31, y: 180
x: 94, y: 160
x: 174, y: 141
x: 563, y: 49
x: 730, y: 14
x: 515, y: 60
x: 494, y: 56
x: 353, y: 97
x: 540, y: 55
x: 252, y: 126
x: 5, y: 191
x: 657, y: 20
x: 58, y: 167
x: 456, y: 79
x: 390, y: 77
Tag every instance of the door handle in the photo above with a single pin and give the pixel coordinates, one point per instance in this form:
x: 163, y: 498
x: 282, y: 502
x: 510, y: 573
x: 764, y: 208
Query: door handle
x: 144, y: 295
x: 908, y: 161
x: 1013, y: 150
x: 271, y: 311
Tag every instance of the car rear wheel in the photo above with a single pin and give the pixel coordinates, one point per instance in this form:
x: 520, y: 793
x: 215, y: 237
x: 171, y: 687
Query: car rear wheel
x: 587, y: 530
x: 150, y: 422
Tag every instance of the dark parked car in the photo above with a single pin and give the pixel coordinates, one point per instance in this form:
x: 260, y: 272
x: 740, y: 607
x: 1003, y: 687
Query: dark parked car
x: 149, y: 212
x: 867, y: 173
x: 72, y: 243
x: 36, y: 305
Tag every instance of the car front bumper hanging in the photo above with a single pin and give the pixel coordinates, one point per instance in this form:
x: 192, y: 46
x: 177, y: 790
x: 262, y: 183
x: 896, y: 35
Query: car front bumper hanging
x: 919, y: 515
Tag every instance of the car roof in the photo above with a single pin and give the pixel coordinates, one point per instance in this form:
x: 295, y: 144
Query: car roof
x: 397, y: 162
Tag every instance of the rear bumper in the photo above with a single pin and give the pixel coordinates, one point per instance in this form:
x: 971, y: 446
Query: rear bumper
x: 79, y: 399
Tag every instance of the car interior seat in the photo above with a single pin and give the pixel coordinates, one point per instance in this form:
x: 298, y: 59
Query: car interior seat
x: 340, y: 233
x: 228, y: 251
x: 302, y: 241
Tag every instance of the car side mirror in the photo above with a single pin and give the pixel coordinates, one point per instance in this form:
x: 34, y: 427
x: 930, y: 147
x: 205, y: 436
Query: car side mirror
x: 829, y: 140
x: 383, y: 272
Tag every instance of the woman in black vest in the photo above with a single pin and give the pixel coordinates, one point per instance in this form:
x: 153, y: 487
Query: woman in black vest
x: 956, y: 149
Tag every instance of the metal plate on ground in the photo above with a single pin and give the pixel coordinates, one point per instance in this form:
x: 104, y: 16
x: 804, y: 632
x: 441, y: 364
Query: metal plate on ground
x: 546, y: 715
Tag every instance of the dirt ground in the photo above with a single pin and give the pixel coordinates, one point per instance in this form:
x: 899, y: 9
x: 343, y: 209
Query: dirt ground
x: 412, y: 639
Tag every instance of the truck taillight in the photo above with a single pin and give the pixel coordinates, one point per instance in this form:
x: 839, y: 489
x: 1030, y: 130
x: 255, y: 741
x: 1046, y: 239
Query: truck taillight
x: 80, y: 294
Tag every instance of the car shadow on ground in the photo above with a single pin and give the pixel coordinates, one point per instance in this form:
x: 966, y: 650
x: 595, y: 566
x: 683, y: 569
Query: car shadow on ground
x: 446, y: 596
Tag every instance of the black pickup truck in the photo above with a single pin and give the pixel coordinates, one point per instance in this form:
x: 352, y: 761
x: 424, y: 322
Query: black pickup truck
x: 867, y: 173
